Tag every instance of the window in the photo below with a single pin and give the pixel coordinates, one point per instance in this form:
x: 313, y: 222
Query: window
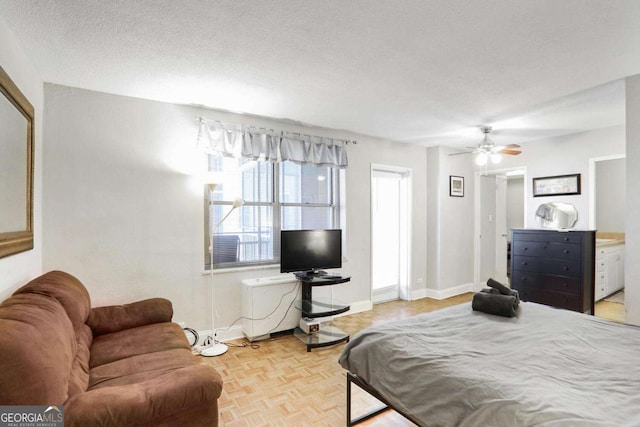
x: 277, y: 196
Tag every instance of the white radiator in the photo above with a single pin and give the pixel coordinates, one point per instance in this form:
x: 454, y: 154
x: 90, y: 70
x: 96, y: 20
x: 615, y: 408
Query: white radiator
x: 270, y: 305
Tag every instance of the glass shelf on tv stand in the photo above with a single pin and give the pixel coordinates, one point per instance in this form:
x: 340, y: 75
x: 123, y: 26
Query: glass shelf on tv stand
x: 326, y: 336
x: 316, y: 308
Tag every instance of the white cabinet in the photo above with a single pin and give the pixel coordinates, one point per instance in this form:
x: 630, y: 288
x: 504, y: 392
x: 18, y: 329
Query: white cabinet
x: 609, y: 270
x: 269, y: 305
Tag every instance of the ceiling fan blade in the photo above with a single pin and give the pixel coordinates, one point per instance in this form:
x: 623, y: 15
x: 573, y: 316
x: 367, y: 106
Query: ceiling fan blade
x: 462, y: 152
x: 510, y: 152
x: 512, y: 146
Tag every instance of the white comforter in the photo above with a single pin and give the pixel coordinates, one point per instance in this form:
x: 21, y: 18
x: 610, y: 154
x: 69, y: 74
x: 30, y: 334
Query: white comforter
x: 546, y: 367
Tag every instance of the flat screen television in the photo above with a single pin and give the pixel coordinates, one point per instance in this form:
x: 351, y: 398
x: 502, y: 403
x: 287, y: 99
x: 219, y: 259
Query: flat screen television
x: 307, y: 252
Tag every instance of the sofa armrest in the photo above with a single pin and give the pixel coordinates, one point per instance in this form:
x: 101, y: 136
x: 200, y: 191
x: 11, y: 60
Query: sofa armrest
x: 114, y: 318
x: 169, y: 399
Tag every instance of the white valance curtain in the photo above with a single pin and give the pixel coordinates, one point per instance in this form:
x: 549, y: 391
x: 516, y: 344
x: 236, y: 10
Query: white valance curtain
x: 267, y: 144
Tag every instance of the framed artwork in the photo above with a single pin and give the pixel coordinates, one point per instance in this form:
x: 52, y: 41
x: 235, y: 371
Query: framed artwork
x: 559, y: 185
x: 456, y: 186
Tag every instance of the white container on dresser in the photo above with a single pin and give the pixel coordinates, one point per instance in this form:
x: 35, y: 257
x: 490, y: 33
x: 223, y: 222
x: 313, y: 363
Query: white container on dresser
x: 269, y: 305
x: 609, y: 269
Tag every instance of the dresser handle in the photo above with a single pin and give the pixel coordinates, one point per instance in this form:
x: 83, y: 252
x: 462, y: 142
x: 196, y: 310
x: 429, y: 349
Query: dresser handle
x: 565, y: 268
x: 564, y: 284
x: 566, y: 251
x: 524, y: 263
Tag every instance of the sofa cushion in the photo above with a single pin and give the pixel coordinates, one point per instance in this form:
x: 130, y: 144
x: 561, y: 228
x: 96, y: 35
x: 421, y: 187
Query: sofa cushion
x: 135, y: 341
x: 67, y: 290
x: 140, y: 368
x: 115, y: 318
x: 37, y: 348
x: 183, y: 397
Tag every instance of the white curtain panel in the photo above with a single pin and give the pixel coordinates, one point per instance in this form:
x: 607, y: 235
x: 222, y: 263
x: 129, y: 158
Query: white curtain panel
x: 267, y: 144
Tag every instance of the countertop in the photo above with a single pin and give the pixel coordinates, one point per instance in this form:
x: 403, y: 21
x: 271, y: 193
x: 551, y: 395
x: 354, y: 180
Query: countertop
x: 605, y: 239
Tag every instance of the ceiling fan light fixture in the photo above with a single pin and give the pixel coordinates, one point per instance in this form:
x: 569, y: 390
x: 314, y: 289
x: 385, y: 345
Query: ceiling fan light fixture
x: 487, y: 150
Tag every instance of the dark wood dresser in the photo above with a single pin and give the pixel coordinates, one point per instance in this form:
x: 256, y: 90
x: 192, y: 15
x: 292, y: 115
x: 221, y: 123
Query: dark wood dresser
x: 555, y: 268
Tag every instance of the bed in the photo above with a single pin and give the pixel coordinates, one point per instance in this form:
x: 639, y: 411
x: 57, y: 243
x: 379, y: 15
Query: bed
x: 459, y: 367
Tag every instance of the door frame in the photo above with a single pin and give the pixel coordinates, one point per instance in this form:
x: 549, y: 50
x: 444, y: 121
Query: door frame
x: 406, y: 181
x: 477, y: 244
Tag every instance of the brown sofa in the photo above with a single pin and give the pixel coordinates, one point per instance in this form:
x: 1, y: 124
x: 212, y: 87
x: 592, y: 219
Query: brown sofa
x: 126, y: 365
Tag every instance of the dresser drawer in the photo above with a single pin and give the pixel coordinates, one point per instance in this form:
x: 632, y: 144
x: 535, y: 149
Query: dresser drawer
x: 554, y: 236
x: 547, y: 249
x: 546, y: 282
x: 554, y: 299
x: 559, y: 267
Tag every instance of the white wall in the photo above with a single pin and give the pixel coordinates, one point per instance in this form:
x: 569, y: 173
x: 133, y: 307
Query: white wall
x: 565, y: 155
x: 515, y: 203
x: 17, y: 269
x: 610, y: 195
x: 487, y: 186
x: 632, y: 225
x: 451, y: 223
x: 124, y: 209
x: 450, y: 229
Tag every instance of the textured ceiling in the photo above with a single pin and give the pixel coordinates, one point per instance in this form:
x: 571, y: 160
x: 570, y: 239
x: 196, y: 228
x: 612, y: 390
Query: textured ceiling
x: 427, y: 71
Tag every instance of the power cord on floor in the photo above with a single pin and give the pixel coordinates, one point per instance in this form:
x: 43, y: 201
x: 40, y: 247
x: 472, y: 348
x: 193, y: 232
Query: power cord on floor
x: 255, y: 346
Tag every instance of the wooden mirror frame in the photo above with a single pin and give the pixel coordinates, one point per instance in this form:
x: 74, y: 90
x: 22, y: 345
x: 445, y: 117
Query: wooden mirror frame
x: 13, y: 242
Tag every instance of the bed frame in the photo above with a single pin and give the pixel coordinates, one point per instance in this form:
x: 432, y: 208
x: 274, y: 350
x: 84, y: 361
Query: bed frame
x: 351, y: 378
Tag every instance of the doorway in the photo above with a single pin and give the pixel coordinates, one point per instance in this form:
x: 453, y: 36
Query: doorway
x: 390, y: 229
x: 607, y: 198
x: 499, y: 207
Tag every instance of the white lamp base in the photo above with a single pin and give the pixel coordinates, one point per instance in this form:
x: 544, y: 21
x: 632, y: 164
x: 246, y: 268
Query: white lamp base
x: 214, y: 350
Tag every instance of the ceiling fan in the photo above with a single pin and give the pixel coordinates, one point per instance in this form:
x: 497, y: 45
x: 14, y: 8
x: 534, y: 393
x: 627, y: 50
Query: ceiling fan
x: 488, y: 150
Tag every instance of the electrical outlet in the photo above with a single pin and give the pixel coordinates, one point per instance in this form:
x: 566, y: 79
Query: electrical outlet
x: 419, y: 280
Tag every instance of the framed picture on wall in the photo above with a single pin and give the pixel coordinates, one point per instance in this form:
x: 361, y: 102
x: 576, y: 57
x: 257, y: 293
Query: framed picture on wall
x: 456, y: 186
x: 559, y: 185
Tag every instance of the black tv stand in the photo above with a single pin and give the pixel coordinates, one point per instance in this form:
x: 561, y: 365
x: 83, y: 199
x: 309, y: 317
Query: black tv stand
x: 316, y: 308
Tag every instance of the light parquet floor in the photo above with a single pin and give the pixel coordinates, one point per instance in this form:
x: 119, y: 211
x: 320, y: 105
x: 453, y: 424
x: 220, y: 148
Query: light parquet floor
x: 279, y: 384
x: 610, y: 310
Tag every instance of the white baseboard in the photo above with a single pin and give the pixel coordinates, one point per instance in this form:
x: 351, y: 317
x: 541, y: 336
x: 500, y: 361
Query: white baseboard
x: 359, y: 307
x: 235, y: 332
x: 418, y: 294
x: 441, y: 294
x: 224, y: 334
